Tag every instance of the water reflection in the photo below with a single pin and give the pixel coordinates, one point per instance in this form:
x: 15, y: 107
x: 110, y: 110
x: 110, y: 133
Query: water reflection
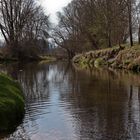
x: 63, y: 103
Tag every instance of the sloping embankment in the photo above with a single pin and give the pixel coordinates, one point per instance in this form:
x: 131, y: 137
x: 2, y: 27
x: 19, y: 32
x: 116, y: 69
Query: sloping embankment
x: 11, y: 103
x: 122, y: 58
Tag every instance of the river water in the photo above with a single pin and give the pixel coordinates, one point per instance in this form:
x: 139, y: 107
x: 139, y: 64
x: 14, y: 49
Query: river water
x: 64, y: 103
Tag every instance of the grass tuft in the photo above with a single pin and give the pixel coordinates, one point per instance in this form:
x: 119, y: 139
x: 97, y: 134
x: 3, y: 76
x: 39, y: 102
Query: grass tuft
x: 11, y: 103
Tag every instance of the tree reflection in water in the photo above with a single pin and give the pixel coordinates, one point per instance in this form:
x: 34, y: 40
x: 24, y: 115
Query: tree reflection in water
x: 77, y: 104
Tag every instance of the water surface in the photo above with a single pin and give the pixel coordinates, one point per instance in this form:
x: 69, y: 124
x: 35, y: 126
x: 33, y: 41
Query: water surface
x: 63, y: 103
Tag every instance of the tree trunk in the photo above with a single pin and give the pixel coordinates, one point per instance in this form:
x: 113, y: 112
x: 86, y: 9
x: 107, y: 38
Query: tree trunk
x: 130, y: 22
x: 109, y: 39
x: 139, y: 35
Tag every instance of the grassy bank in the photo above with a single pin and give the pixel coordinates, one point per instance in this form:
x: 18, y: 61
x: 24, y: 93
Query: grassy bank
x: 45, y: 59
x: 124, y: 57
x: 11, y: 103
x: 8, y: 56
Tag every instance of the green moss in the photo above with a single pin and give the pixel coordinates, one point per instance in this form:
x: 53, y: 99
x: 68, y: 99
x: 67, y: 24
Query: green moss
x: 11, y: 103
x: 99, y: 62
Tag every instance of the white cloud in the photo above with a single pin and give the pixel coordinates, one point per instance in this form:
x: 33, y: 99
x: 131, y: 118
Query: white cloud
x: 53, y: 6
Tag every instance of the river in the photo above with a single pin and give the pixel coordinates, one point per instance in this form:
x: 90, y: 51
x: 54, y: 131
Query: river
x: 64, y: 103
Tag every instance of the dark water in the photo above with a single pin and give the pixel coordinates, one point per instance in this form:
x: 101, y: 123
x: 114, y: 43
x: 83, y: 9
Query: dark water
x: 63, y: 103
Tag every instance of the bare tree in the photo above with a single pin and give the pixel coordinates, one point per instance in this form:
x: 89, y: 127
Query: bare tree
x: 21, y: 20
x: 130, y: 21
x: 92, y: 24
x: 137, y: 7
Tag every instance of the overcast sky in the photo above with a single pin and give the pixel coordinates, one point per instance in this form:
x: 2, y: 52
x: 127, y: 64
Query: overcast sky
x: 53, y: 6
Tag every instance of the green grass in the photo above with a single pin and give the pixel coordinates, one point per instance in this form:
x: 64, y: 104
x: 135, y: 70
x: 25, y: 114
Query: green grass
x: 11, y: 103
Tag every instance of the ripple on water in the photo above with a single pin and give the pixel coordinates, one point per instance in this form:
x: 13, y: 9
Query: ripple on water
x: 65, y: 104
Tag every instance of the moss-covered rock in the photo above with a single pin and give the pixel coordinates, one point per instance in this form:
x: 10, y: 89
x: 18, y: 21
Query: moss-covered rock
x: 99, y: 62
x: 98, y: 57
x: 128, y: 58
x: 11, y: 103
x: 135, y: 65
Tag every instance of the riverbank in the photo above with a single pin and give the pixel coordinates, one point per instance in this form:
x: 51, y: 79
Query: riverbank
x: 123, y: 57
x: 45, y: 59
x: 11, y: 103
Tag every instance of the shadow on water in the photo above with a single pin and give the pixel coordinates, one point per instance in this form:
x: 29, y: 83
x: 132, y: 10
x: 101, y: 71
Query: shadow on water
x: 64, y: 103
